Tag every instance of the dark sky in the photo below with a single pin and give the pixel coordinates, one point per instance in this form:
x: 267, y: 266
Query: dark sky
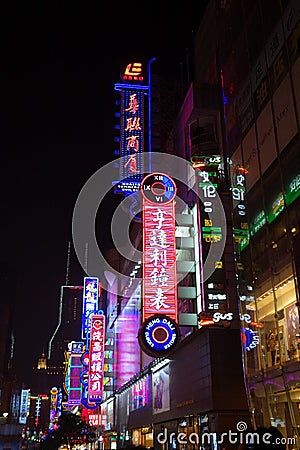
x: 59, y: 63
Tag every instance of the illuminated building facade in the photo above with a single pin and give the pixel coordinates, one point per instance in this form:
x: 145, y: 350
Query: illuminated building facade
x: 256, y: 67
x: 239, y: 127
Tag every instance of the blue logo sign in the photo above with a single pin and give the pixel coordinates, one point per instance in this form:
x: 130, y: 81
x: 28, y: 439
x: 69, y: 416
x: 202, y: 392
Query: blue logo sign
x: 158, y: 335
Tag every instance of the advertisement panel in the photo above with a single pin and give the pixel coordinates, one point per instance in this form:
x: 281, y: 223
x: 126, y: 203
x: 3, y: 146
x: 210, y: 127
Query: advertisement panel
x: 161, y: 390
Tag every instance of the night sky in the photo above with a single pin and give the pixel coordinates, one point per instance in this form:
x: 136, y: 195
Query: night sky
x: 59, y: 63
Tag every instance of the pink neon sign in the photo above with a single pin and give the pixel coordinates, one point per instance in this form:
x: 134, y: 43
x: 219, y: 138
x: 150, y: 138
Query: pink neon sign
x: 96, y: 358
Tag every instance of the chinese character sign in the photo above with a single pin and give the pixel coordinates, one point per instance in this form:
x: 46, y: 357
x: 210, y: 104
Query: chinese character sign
x: 96, y: 358
x: 24, y: 406
x: 215, y: 297
x: 90, y: 302
x: 132, y: 133
x: 159, y: 247
x: 74, y: 371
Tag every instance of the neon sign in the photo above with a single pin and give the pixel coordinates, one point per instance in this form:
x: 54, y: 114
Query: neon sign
x: 201, y: 162
x: 293, y: 189
x: 132, y: 129
x: 54, y: 406
x: 250, y: 338
x: 258, y: 222
x: 133, y: 72
x: 96, y: 358
x: 158, y: 335
x: 276, y: 208
x: 159, y: 331
x: 24, y: 406
x: 74, y: 370
x: 212, y: 234
x: 90, y: 302
x: 238, y: 189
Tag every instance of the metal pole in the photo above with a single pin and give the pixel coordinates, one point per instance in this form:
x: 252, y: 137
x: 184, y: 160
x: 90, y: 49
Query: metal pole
x: 149, y: 112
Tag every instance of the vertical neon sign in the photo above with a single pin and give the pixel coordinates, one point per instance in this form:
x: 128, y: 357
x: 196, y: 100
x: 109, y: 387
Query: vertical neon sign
x: 132, y: 128
x: 211, y: 234
x: 24, y: 406
x: 96, y: 358
x: 132, y: 133
x: 90, y: 302
x: 238, y: 189
x: 74, y: 370
x: 159, y: 246
x: 53, y: 407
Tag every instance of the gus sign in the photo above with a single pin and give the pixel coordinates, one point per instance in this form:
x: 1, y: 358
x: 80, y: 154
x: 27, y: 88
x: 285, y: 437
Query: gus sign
x: 158, y: 335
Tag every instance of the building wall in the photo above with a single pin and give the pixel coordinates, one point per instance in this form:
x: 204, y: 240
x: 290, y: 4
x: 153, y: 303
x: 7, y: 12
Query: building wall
x: 255, y: 50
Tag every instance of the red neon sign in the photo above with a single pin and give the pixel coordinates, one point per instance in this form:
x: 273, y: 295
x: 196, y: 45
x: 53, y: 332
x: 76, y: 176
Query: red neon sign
x: 133, y: 71
x: 96, y: 359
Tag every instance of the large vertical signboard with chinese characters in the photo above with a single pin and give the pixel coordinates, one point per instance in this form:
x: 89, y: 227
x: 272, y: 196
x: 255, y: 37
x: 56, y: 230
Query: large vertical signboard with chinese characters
x: 90, y: 302
x: 24, y: 406
x: 73, y: 381
x: 159, y: 330
x: 132, y: 129
x: 96, y: 358
x: 211, y: 234
x: 132, y: 133
x: 238, y: 189
x: 55, y: 406
x: 159, y: 246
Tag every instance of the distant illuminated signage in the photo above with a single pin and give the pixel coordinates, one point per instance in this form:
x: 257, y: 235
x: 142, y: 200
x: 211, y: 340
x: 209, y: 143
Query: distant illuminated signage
x: 96, y: 358
x: 158, y: 335
x: 238, y: 189
x: 74, y: 382
x: 76, y: 347
x: 94, y: 420
x: 54, y: 406
x: 127, y: 187
x: 37, y: 411
x: 258, y: 222
x: 206, y: 161
x: 276, y: 208
x: 293, y: 190
x: 85, y: 401
x: 207, y: 318
x: 159, y: 246
x: 24, y: 406
x: 90, y: 302
x: 241, y: 236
